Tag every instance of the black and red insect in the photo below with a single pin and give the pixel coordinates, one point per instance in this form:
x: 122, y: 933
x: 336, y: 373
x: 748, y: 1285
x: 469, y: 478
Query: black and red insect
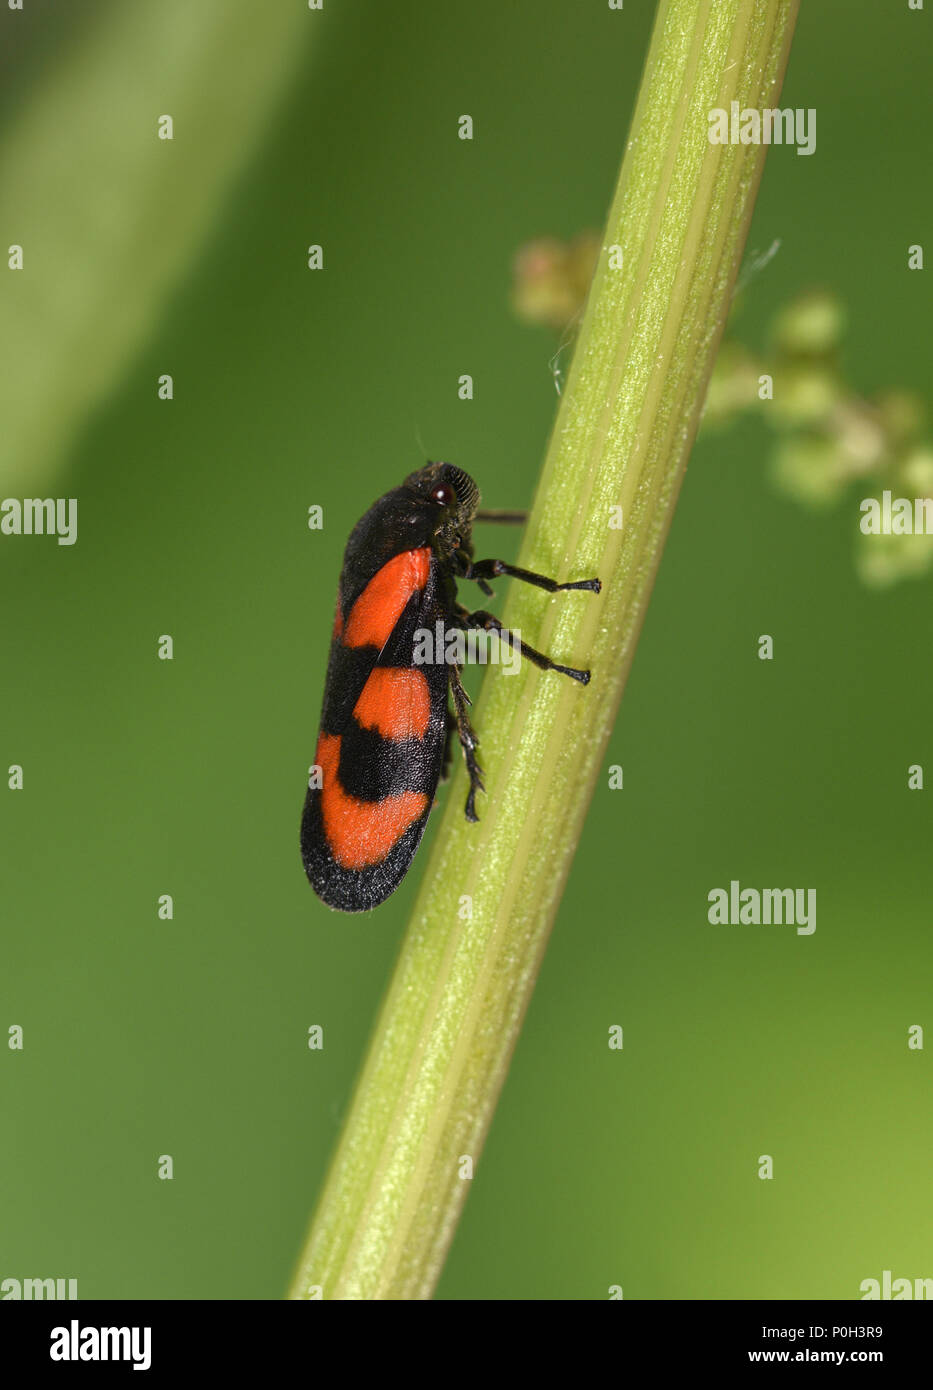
x: 386, y: 728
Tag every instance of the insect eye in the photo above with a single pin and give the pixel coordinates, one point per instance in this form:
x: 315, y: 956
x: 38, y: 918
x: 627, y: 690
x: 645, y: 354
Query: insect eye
x: 444, y: 495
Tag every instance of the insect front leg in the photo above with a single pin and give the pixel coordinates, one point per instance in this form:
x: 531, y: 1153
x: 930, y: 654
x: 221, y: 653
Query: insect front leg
x: 481, y: 570
x: 492, y: 624
x: 468, y: 741
x: 464, y: 568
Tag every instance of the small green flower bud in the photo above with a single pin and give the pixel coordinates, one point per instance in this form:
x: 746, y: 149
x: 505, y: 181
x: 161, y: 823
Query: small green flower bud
x: 808, y: 468
x: 810, y: 326
x: 805, y: 393
x: 902, y: 415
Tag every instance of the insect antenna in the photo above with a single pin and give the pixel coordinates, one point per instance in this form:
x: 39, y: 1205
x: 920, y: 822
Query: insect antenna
x: 508, y: 518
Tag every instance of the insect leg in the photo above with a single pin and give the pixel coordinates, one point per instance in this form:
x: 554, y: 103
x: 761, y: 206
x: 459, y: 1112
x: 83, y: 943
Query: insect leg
x: 491, y: 623
x: 468, y: 741
x: 464, y: 568
x: 492, y: 569
x: 448, y: 745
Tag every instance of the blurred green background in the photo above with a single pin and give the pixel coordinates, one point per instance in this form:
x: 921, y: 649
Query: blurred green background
x: 143, y: 777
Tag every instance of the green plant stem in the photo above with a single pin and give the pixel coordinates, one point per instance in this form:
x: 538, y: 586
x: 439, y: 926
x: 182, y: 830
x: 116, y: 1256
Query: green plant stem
x: 624, y: 429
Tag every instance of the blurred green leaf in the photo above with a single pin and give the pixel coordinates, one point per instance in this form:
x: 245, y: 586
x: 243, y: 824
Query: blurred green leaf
x: 109, y: 215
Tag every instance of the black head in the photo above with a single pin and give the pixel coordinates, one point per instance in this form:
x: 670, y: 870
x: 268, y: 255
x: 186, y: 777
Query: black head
x: 455, y: 495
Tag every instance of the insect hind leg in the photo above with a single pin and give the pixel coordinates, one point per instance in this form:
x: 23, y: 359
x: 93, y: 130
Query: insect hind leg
x: 468, y: 741
x: 448, y: 745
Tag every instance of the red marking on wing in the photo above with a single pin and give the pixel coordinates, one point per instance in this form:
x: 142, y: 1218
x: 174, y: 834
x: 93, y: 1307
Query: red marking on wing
x: 338, y: 622
x: 360, y: 833
x: 395, y: 702
x: 382, y: 602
